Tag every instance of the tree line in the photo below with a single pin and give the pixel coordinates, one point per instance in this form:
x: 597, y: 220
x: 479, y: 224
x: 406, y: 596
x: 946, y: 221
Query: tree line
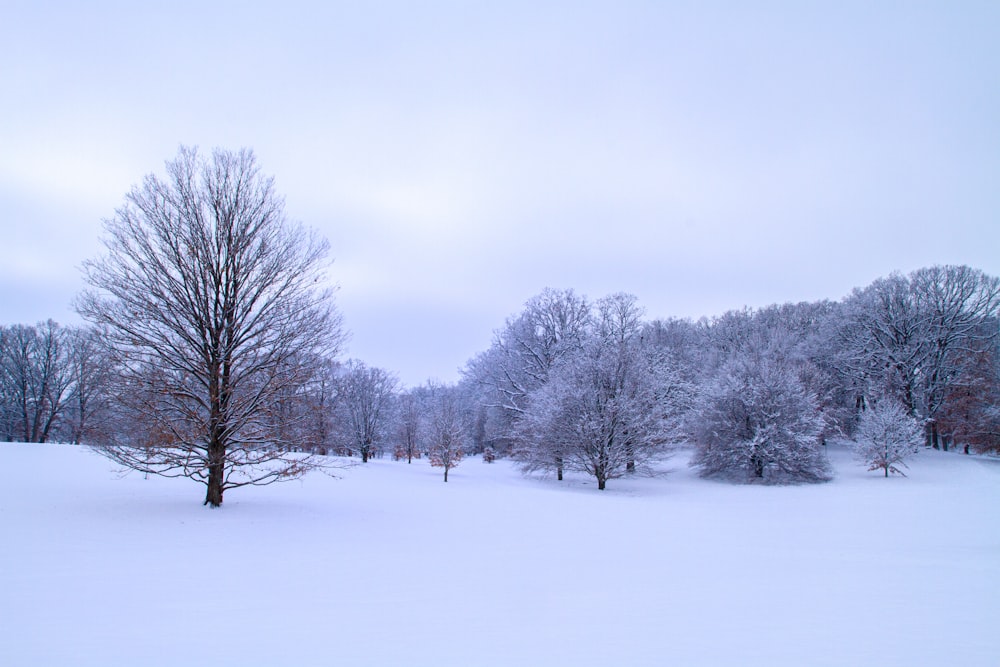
x: 570, y: 385
x: 61, y: 384
x: 595, y: 388
x: 52, y: 383
x: 212, y: 351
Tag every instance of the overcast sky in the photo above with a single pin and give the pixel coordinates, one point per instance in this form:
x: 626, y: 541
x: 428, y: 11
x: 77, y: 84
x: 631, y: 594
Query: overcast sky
x: 460, y: 157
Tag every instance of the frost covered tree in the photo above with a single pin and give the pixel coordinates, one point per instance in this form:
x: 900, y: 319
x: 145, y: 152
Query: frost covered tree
x: 755, y: 421
x: 364, y: 400
x: 886, y: 436
x: 551, y: 326
x: 917, y: 338
x: 444, y: 427
x: 960, y: 307
x: 606, y: 410
x: 212, y: 308
x: 881, y: 341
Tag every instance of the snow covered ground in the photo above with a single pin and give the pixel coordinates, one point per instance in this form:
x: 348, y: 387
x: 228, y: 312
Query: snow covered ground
x: 389, y: 566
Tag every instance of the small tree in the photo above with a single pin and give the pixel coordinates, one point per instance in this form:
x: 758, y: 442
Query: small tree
x: 886, y: 436
x: 446, y: 453
x: 444, y: 429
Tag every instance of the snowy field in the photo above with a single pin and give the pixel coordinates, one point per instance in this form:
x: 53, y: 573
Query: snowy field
x: 389, y: 566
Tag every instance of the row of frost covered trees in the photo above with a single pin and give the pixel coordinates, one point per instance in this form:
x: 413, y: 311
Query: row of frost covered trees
x: 212, y: 353
x: 595, y: 388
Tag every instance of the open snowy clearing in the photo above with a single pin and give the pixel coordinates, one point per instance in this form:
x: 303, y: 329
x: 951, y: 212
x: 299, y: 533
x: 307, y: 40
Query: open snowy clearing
x: 389, y: 566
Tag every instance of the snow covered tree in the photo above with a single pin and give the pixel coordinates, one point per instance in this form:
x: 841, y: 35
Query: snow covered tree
x: 444, y: 427
x: 886, y: 436
x: 755, y: 421
x: 916, y: 338
x: 960, y: 307
x: 551, y: 326
x: 212, y: 307
x: 881, y: 341
x: 606, y: 410
x: 364, y: 402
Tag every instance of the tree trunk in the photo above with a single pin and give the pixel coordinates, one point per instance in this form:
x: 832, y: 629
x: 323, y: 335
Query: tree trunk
x: 601, y: 482
x: 937, y: 438
x: 216, y: 470
x: 80, y: 423
x: 446, y: 473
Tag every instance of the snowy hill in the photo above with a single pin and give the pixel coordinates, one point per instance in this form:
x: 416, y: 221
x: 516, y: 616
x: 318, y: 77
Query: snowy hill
x: 389, y: 566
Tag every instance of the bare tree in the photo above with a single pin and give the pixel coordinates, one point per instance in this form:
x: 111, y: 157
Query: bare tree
x: 212, y: 309
x: 408, y: 426
x: 319, y: 406
x: 91, y: 371
x: 971, y: 414
x: 35, y: 372
x: 364, y: 400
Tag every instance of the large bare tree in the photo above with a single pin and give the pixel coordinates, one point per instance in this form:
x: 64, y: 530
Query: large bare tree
x: 214, y: 310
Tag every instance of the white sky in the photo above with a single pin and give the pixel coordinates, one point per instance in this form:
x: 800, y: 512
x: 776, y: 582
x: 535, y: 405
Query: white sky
x: 703, y: 156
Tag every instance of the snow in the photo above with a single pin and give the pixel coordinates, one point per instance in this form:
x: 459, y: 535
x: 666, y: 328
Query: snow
x: 390, y: 566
